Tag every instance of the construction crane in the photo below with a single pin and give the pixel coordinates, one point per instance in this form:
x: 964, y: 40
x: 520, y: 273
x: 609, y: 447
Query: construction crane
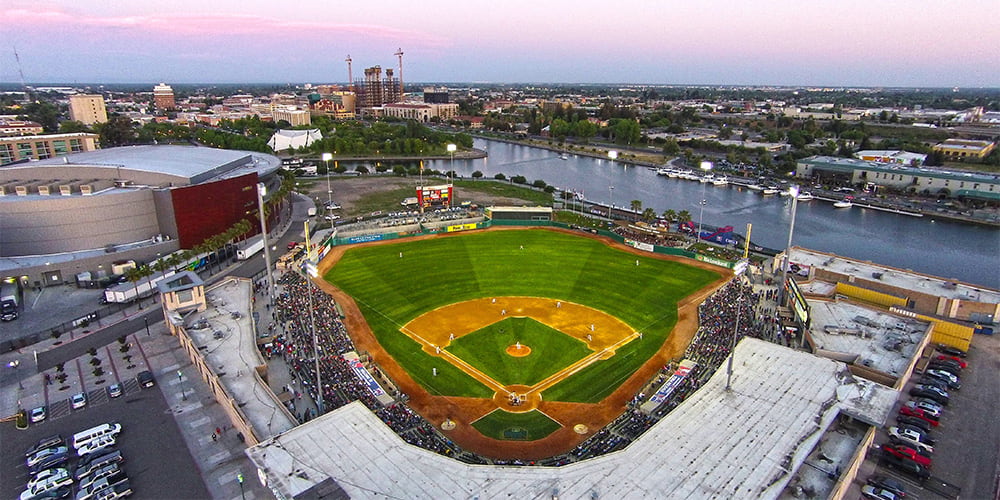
x: 350, y: 75
x: 24, y: 86
x: 399, y: 54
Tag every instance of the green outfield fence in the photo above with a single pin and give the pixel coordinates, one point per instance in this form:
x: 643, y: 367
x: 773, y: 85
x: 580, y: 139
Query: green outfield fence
x: 350, y: 240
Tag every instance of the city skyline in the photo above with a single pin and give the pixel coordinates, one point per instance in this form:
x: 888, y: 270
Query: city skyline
x: 849, y: 43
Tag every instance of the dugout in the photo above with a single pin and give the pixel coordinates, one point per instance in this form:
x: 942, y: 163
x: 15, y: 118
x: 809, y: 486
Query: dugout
x: 519, y: 213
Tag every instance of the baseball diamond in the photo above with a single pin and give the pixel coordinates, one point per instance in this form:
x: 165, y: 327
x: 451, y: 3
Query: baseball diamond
x: 508, y: 322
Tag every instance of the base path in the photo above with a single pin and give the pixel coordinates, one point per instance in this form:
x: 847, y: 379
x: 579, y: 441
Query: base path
x: 463, y: 411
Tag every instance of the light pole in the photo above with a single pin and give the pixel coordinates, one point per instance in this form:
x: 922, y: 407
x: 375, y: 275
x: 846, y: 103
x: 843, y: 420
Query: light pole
x: 706, y: 166
x: 312, y: 273
x: 239, y: 479
x: 261, y: 191
x: 738, y: 270
x: 793, y: 191
x: 451, y: 170
x: 611, y: 192
x: 329, y: 192
x: 145, y: 320
x: 180, y: 382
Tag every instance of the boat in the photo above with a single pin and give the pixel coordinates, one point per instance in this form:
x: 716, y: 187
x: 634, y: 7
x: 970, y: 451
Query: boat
x: 847, y: 202
x: 804, y: 196
x: 754, y: 187
x: 663, y: 171
x: 563, y: 156
x: 720, y: 181
x: 707, y: 178
x: 673, y: 174
x: 769, y: 191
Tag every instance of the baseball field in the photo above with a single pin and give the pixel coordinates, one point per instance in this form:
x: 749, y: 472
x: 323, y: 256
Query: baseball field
x: 504, y: 320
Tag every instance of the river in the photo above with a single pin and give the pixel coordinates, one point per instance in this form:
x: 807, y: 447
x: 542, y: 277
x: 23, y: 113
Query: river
x: 955, y: 250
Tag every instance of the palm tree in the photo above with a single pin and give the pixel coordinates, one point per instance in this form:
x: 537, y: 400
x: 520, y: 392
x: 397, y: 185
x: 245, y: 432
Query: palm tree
x: 684, y: 216
x: 636, y: 205
x: 670, y: 215
x: 161, y: 266
x: 173, y: 260
x: 649, y: 214
x: 135, y: 275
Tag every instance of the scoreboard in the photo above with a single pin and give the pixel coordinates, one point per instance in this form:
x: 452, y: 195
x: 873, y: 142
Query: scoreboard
x: 434, y: 196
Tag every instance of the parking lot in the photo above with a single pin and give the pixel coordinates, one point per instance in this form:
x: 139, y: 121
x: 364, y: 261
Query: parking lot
x: 157, y: 461
x: 967, y: 441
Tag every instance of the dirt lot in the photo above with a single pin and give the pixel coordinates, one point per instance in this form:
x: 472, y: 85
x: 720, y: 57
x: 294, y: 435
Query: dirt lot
x: 463, y: 411
x: 361, y: 195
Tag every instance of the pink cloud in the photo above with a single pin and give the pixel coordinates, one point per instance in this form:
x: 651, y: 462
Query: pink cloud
x: 214, y: 25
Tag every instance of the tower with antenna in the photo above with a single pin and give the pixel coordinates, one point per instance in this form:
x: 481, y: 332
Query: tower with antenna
x: 350, y: 74
x: 399, y: 54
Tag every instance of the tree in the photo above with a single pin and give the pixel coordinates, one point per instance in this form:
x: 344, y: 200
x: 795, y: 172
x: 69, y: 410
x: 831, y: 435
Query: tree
x: 477, y: 175
x: 684, y: 216
x: 118, y: 131
x: 670, y: 147
x: 161, y: 266
x: 72, y: 126
x: 135, y: 274
x: 635, y: 205
x: 670, y: 215
x: 648, y: 214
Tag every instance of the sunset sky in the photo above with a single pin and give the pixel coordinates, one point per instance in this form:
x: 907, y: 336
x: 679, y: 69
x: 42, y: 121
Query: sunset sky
x: 782, y: 42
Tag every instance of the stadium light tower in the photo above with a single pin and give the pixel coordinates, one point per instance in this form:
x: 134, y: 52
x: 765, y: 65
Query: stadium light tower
x: 451, y: 170
x: 793, y: 192
x: 706, y: 166
x: 261, y: 191
x: 612, y: 155
x: 312, y: 272
x: 329, y: 192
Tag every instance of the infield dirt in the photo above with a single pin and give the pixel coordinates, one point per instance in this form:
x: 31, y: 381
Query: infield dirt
x: 464, y: 411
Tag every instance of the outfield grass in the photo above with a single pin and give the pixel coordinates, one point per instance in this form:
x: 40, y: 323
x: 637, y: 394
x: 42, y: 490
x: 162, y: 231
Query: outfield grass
x: 530, y: 426
x: 391, y: 291
x: 486, y: 349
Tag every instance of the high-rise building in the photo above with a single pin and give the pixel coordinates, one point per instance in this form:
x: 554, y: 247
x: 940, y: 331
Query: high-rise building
x: 88, y: 108
x: 163, y: 97
x: 374, y: 91
x: 433, y: 95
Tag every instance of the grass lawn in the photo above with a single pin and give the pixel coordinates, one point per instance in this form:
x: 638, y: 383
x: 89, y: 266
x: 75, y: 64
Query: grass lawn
x: 551, y: 351
x: 530, y: 426
x: 392, y: 291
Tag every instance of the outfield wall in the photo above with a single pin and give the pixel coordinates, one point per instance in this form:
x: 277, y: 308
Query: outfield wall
x: 472, y: 224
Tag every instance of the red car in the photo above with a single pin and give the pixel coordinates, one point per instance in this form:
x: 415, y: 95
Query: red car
x: 921, y: 414
x: 907, y: 453
x: 961, y: 362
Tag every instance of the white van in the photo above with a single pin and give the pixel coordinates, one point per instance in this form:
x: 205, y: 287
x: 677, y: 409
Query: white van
x: 82, y: 438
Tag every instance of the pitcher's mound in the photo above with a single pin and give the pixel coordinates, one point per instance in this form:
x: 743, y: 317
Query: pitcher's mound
x: 518, y: 350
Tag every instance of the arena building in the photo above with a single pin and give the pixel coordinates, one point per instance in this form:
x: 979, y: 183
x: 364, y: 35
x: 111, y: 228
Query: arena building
x: 63, y: 217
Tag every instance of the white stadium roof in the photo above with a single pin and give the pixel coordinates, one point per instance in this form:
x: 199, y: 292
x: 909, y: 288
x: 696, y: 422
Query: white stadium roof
x: 744, y: 443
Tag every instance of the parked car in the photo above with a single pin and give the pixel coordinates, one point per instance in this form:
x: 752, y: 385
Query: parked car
x: 911, y: 437
x: 114, y: 390
x: 97, y: 445
x: 946, y: 376
x: 91, y: 463
x: 906, y: 466
x: 914, y: 422
x: 950, y: 351
x: 48, y: 462
x: 926, y: 405
x: 44, y: 493
x: 933, y: 382
x: 55, y: 476
x: 106, y: 471
x: 932, y: 420
x: 888, y: 483
x: 146, y: 379
x: 42, y: 454
x: 876, y: 493
x: 961, y: 362
x: 46, y: 442
x: 38, y: 414
x: 79, y: 400
x: 903, y: 451
x: 951, y: 368
x: 932, y: 393
x: 91, y: 491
